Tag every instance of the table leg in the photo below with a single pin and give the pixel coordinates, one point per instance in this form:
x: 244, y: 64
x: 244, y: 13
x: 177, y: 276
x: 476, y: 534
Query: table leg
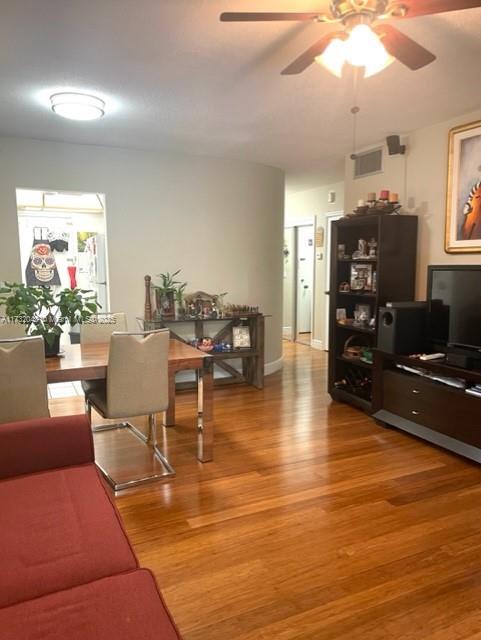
x: 169, y: 415
x: 205, y: 413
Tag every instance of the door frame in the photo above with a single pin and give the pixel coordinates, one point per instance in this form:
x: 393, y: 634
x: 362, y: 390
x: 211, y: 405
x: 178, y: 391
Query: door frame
x: 295, y: 224
x: 330, y: 218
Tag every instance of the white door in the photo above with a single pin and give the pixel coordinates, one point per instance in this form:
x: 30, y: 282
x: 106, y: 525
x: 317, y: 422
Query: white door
x: 305, y: 271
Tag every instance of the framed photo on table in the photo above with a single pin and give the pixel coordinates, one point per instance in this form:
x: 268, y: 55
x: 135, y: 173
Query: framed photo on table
x: 241, y: 337
x: 463, y: 205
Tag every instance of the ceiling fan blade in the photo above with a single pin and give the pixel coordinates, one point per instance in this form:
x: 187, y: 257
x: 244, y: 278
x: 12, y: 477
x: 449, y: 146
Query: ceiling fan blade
x: 307, y: 58
x: 268, y: 17
x: 427, y: 7
x: 407, y: 51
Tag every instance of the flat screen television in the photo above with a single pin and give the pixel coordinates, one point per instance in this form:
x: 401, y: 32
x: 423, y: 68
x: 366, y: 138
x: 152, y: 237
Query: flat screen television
x: 454, y: 304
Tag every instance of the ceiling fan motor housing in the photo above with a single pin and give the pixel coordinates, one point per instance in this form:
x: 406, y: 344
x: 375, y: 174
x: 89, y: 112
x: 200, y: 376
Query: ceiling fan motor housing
x: 345, y: 9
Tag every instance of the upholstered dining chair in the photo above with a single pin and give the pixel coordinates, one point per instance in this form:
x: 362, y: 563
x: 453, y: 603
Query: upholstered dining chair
x: 12, y: 330
x: 23, y: 379
x: 101, y: 327
x: 136, y: 385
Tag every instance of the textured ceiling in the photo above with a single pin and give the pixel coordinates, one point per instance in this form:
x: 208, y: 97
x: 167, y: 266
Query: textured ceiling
x: 176, y: 78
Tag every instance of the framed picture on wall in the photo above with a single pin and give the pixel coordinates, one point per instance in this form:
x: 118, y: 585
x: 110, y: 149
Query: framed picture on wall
x: 463, y: 206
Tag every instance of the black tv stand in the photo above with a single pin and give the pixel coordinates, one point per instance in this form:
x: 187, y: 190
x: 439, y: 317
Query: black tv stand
x: 444, y: 415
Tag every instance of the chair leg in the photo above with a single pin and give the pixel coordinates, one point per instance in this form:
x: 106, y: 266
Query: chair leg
x: 152, y: 437
x: 88, y: 411
x: 150, y: 440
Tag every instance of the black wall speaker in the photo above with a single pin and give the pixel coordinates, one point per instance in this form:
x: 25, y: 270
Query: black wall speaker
x: 394, y: 146
x: 402, y: 328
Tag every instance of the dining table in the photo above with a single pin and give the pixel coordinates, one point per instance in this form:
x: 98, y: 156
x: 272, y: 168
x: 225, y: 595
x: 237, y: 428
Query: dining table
x: 90, y: 362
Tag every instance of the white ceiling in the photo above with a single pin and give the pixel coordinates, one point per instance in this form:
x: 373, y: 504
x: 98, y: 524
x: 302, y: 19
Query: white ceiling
x: 176, y: 78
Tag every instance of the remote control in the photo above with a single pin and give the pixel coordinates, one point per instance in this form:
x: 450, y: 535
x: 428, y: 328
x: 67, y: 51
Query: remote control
x: 432, y: 356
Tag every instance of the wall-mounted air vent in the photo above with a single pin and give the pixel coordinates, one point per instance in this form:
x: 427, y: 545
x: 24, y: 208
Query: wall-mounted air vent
x: 368, y: 163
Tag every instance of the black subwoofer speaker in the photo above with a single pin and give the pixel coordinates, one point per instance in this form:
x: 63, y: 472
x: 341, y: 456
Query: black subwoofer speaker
x: 402, y: 328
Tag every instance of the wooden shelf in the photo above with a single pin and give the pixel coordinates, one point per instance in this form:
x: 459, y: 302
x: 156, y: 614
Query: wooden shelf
x: 395, y: 267
x: 366, y: 260
x: 342, y: 395
x: 356, y: 362
x: 353, y: 327
x: 226, y: 355
x: 358, y: 294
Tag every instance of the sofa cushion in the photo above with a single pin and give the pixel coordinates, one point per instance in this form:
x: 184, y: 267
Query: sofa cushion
x: 59, y: 530
x: 124, y: 607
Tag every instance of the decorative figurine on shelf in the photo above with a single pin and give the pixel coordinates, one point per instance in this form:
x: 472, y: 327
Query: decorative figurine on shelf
x: 361, y: 250
x: 206, y: 344
x: 372, y: 244
x: 344, y: 287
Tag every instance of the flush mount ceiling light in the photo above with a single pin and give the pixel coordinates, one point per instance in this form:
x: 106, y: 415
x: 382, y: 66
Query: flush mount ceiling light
x: 77, y: 106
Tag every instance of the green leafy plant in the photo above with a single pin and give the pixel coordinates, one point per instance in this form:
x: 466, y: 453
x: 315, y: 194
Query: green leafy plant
x: 168, y: 284
x: 44, y: 312
x: 179, y: 293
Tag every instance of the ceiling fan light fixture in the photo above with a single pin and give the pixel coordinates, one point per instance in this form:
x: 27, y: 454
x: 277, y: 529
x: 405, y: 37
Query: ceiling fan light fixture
x: 375, y: 66
x: 334, y: 57
x: 363, y: 47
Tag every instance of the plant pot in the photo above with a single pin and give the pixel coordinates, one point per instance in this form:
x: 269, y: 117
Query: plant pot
x: 165, y: 303
x: 74, y: 337
x: 74, y: 334
x: 52, y: 350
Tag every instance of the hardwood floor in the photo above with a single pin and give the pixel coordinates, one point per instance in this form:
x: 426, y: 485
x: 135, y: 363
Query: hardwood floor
x: 312, y: 523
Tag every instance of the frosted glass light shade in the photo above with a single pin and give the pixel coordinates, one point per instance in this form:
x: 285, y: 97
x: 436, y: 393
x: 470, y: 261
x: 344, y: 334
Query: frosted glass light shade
x: 77, y: 106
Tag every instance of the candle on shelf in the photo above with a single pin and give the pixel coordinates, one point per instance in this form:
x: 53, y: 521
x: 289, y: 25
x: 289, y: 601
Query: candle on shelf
x: 394, y: 197
x: 371, y: 197
x: 360, y: 203
x: 384, y: 195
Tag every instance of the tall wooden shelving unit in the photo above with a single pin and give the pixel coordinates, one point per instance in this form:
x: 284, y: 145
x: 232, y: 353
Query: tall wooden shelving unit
x: 395, y: 267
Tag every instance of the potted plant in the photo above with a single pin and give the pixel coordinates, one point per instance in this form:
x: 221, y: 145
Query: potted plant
x: 77, y: 306
x: 44, y: 313
x: 165, y: 293
x: 179, y: 299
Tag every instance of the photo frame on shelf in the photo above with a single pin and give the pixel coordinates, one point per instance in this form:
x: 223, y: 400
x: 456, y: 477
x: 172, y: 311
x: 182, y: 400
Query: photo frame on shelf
x: 463, y: 204
x: 361, y: 277
x: 362, y: 314
x: 241, y: 337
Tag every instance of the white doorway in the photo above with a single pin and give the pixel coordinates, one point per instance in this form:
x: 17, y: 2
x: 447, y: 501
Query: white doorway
x: 305, y: 279
x: 71, y: 226
x: 298, y: 283
x: 330, y: 218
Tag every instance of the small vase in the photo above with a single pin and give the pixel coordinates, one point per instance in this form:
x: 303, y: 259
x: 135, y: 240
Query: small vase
x: 52, y: 350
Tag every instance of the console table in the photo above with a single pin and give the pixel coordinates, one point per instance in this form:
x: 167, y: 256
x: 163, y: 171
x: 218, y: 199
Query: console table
x: 220, y: 329
x: 446, y: 416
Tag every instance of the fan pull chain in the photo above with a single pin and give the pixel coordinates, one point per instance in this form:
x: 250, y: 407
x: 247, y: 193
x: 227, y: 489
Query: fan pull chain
x: 355, y: 110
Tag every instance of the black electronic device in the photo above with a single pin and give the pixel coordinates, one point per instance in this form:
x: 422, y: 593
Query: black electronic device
x: 394, y: 146
x: 454, y: 301
x: 402, y: 328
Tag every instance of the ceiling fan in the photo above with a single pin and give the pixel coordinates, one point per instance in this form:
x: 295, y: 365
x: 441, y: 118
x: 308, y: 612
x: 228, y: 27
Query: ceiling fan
x: 364, y: 39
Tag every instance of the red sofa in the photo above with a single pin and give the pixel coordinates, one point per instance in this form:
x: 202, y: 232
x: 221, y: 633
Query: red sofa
x: 67, y: 569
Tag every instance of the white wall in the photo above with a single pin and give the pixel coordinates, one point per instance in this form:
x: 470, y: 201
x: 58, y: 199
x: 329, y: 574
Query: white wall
x: 220, y: 221
x: 303, y: 207
x: 420, y: 177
